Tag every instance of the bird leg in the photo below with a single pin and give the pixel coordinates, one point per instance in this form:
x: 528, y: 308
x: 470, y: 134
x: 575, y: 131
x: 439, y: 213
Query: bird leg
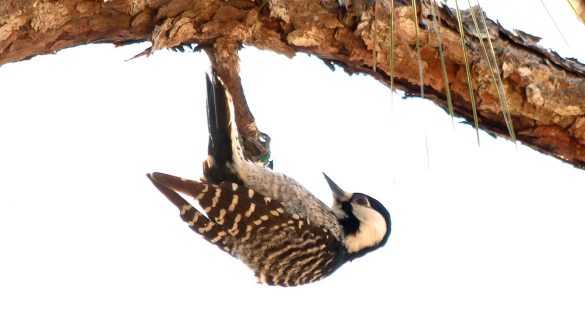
x: 223, y: 55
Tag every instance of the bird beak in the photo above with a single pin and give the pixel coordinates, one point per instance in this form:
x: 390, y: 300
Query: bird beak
x: 338, y: 193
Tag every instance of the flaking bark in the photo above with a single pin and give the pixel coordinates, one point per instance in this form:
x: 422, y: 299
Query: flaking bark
x: 546, y: 93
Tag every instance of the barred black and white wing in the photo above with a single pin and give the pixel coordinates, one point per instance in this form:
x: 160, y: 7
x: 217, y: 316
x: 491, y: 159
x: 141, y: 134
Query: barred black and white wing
x: 281, y: 248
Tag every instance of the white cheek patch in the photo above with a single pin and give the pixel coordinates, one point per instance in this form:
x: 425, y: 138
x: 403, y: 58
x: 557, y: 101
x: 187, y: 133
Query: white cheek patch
x: 372, y: 229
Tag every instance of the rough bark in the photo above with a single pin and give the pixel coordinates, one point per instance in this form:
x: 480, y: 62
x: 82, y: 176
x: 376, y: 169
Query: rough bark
x: 545, y: 93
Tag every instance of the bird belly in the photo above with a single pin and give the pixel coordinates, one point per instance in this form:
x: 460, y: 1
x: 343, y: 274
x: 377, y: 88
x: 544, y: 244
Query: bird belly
x: 286, y: 258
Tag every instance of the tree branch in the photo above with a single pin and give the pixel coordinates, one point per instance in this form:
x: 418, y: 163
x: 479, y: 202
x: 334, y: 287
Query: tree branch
x: 544, y: 91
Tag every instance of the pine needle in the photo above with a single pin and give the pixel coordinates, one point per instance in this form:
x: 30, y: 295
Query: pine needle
x: 375, y: 22
x: 392, y: 45
x: 391, y: 53
x: 420, y: 72
x: 498, y: 85
x: 437, y: 29
x: 264, y: 2
x: 495, y: 72
x: 575, y: 12
x: 555, y: 23
x: 428, y: 153
x: 467, y: 71
x: 420, y: 68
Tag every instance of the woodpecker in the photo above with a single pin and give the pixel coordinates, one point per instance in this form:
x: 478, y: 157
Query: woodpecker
x: 269, y: 221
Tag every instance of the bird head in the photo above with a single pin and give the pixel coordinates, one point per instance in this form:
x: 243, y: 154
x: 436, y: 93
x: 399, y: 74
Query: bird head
x: 365, y: 221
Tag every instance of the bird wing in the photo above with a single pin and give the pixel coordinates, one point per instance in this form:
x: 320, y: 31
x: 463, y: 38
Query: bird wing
x: 215, y: 167
x: 280, y: 247
x: 231, y: 209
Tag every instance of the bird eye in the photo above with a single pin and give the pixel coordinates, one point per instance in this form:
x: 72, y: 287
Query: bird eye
x: 361, y: 200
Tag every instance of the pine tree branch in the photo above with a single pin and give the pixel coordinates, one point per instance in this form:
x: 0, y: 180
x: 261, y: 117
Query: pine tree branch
x: 545, y: 93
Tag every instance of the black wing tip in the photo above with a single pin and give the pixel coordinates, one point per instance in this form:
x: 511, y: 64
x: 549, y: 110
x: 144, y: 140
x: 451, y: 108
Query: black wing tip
x: 218, y: 125
x: 212, y: 78
x: 209, y: 80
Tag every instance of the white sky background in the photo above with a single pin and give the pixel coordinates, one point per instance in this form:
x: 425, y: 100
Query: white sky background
x: 488, y: 237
